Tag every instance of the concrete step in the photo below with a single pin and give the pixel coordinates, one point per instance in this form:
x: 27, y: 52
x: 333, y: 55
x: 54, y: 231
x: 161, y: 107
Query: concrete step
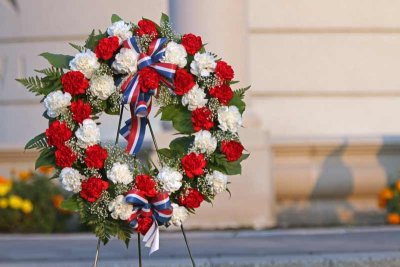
x: 366, y: 247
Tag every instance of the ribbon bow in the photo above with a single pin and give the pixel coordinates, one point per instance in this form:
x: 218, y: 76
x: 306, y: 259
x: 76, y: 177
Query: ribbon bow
x: 139, y: 100
x: 159, y: 208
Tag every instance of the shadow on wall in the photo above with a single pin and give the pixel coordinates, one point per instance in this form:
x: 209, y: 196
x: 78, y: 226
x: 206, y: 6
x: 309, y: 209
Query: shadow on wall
x: 389, y: 157
x: 329, y: 202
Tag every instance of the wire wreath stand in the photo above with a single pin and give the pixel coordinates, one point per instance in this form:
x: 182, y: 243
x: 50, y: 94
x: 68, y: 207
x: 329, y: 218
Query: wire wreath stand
x: 138, y: 234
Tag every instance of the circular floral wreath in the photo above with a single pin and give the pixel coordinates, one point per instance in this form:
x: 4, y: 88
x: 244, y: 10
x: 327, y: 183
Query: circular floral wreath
x: 131, y: 64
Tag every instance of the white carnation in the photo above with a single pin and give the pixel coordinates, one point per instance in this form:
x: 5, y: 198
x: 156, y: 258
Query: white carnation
x: 126, y: 61
x: 120, y: 209
x: 102, y: 86
x: 195, y: 98
x: 88, y: 133
x: 205, y: 142
x: 175, y: 54
x: 56, y: 103
x: 218, y: 181
x: 120, y: 173
x: 179, y: 215
x: 121, y: 30
x: 229, y: 118
x: 85, y: 62
x: 203, y: 64
x: 71, y: 179
x: 170, y: 178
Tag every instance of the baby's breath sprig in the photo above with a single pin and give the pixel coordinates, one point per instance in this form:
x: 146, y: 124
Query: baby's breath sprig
x: 91, y: 172
x: 118, y: 154
x: 205, y: 187
x: 104, y: 69
x: 214, y: 105
x: 226, y: 135
x: 115, y: 101
x: 165, y: 97
x: 166, y: 30
x: 100, y: 207
x: 121, y: 189
x: 66, y: 117
x: 96, y: 103
x: 209, y: 82
x: 144, y: 42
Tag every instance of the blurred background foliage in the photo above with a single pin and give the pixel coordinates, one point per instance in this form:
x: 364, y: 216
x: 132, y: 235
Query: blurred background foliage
x: 30, y: 203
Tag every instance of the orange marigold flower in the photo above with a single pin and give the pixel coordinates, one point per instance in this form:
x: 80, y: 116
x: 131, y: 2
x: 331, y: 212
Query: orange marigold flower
x: 387, y: 194
x: 382, y: 203
x: 5, y: 186
x: 393, y: 218
x: 57, y: 200
x: 24, y: 175
x: 47, y: 170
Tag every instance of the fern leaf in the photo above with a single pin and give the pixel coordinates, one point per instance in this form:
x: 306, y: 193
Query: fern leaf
x: 241, y: 91
x: 33, y: 84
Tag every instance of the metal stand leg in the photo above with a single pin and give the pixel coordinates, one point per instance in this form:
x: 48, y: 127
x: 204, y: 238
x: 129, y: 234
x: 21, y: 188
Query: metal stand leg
x: 187, y: 246
x: 97, y: 254
x: 139, y: 250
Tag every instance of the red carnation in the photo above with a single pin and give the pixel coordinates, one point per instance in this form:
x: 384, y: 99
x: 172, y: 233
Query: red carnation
x: 144, y: 224
x: 58, y: 133
x: 193, y: 164
x: 74, y: 82
x: 80, y: 110
x: 147, y: 27
x: 191, y: 199
x: 233, y: 150
x: 223, y: 93
x: 146, y: 184
x: 95, y: 156
x: 65, y: 157
x: 106, y: 47
x: 148, y: 79
x: 192, y: 43
x: 183, y: 82
x: 92, y: 188
x: 224, y: 71
x: 202, y: 119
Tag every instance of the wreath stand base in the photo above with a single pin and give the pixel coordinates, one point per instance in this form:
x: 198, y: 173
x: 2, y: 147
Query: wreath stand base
x: 138, y: 234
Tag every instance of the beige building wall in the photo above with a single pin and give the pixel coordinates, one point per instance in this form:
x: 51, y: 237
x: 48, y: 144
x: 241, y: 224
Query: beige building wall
x: 325, y: 93
x: 326, y: 86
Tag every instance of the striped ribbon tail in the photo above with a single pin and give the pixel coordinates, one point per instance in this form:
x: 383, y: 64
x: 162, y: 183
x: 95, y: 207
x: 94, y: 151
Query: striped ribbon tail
x: 140, y: 102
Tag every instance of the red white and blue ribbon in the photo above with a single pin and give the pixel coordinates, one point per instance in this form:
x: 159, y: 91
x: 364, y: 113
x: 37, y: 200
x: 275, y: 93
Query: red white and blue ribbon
x: 159, y: 208
x: 140, y: 101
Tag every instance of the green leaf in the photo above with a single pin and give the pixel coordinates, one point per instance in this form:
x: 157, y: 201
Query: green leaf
x: 93, y: 39
x: 165, y: 152
x: 38, y: 142
x: 46, y: 158
x: 181, y: 144
x: 58, y: 60
x: 70, y: 204
x: 164, y: 19
x: 115, y: 18
x: 220, y: 163
x: 238, y: 102
x: 77, y: 47
x: 181, y: 118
